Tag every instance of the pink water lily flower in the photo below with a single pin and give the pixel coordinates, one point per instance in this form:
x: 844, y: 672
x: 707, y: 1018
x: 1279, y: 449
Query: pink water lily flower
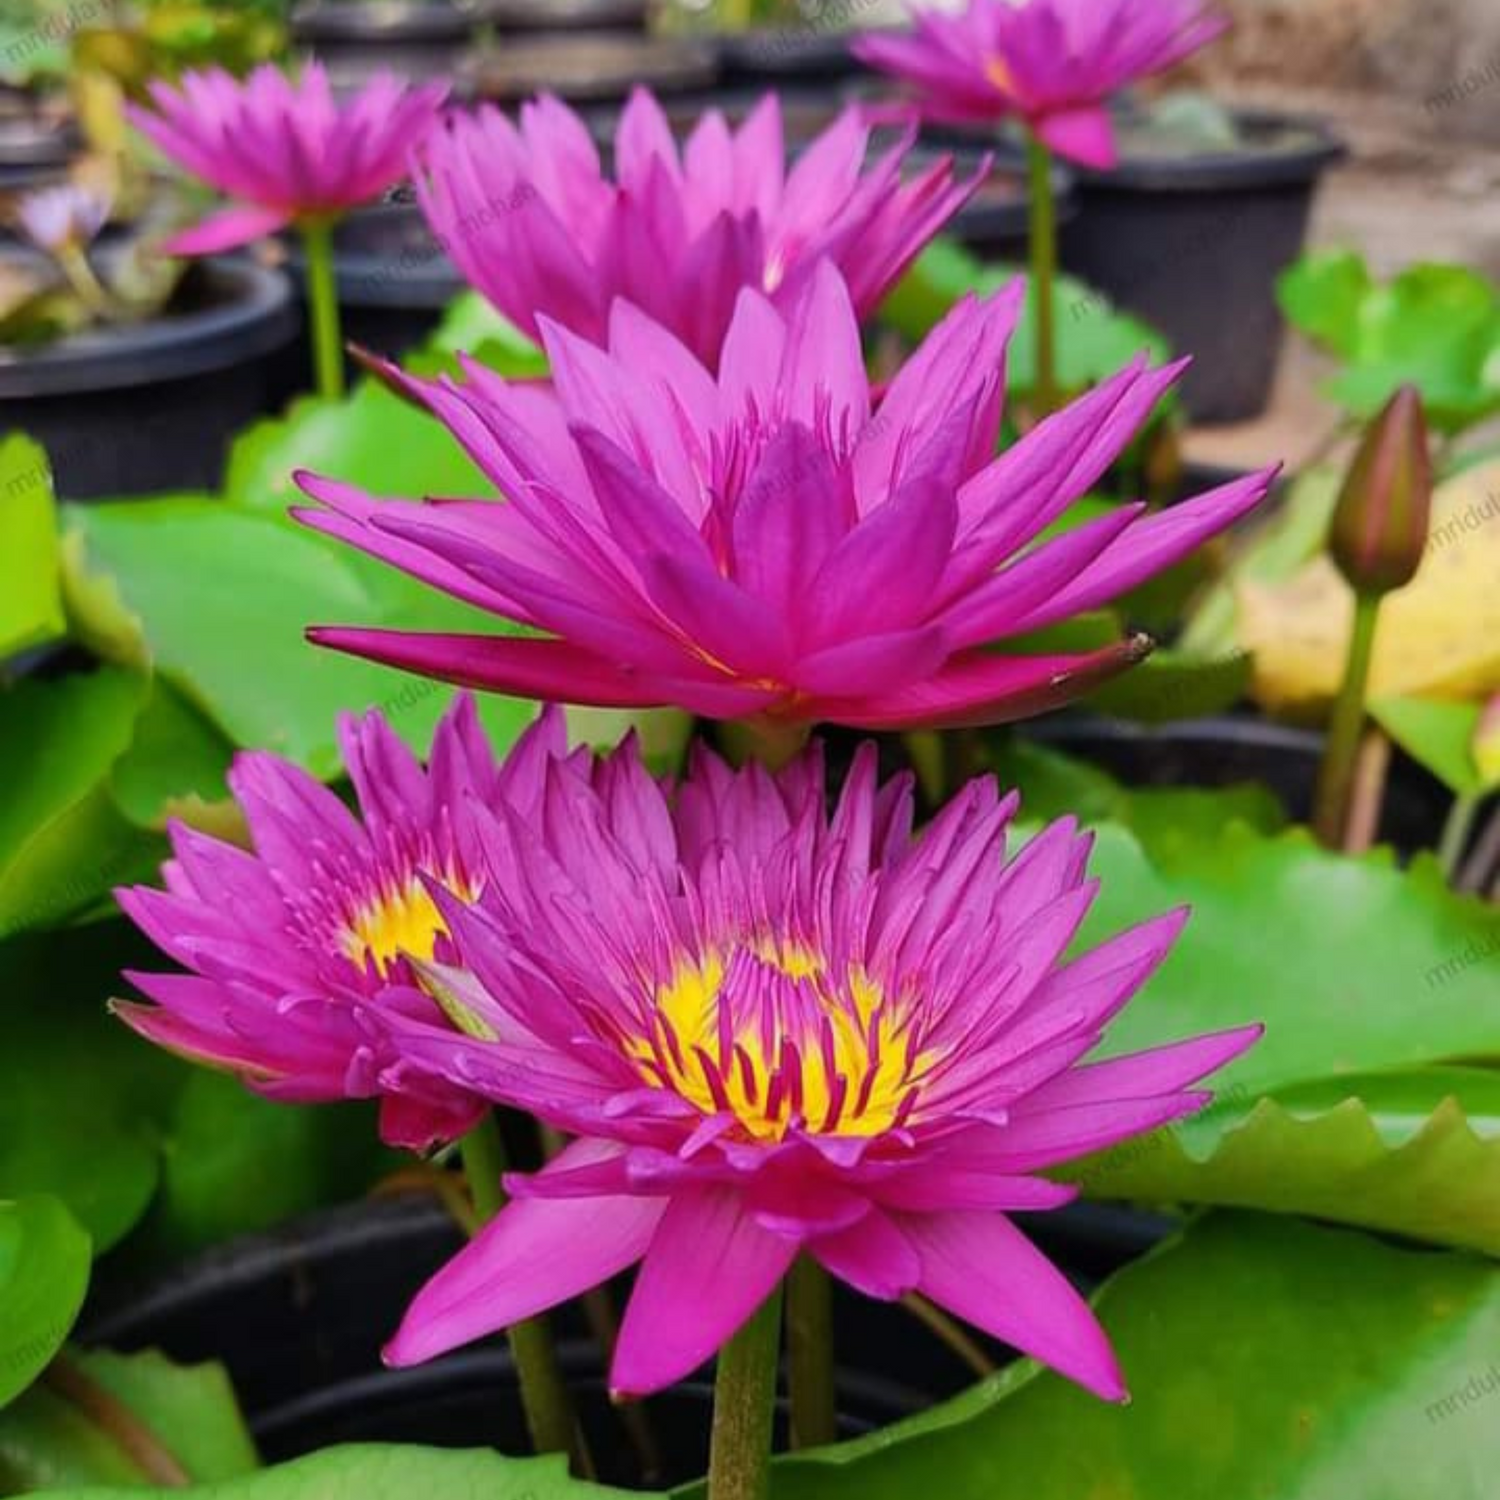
x: 285, y: 150
x: 1052, y: 63
x: 529, y: 216
x: 773, y: 541
x: 283, y: 944
x: 775, y: 1031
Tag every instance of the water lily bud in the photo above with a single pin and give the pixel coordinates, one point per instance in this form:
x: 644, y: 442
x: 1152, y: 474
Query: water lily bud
x: 1381, y: 522
x: 1486, y: 748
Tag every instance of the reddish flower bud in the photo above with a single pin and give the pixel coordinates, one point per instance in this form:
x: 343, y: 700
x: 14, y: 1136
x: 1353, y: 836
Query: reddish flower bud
x: 1381, y: 522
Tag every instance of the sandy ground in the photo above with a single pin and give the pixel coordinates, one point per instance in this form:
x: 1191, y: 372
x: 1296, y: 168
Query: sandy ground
x: 1404, y: 194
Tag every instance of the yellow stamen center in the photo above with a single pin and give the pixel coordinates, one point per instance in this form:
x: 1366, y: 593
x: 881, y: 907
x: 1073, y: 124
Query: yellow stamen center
x: 843, y: 1064
x: 404, y: 919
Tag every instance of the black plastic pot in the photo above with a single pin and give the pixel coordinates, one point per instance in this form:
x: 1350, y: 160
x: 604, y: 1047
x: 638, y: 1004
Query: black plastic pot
x: 1222, y: 751
x: 298, y: 1317
x: 589, y: 67
x: 769, y: 57
x: 394, y: 280
x: 1194, y: 244
x: 151, y: 407
x: 526, y: 16
x: 419, y: 39
x: 29, y: 146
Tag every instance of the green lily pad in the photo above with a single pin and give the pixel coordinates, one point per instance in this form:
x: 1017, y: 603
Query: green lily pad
x: 1353, y: 965
x: 63, y: 841
x: 44, y: 1272
x: 49, y: 1442
x: 372, y: 438
x: 31, y: 610
x: 472, y: 325
x: 1439, y: 735
x: 384, y: 1472
x: 1171, y: 685
x: 1054, y: 784
x: 1266, y: 1357
x: 1434, y: 326
x: 223, y: 595
x: 93, y: 1143
x: 1322, y: 295
x: 235, y: 1163
x: 1414, y: 1153
x: 175, y: 766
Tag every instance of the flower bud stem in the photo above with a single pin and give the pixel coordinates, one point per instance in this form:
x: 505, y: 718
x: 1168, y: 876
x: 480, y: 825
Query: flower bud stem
x: 323, y: 308
x: 544, y: 1395
x: 1456, y: 832
x: 809, y: 1344
x: 1043, y: 274
x: 739, y: 1463
x: 1336, y: 778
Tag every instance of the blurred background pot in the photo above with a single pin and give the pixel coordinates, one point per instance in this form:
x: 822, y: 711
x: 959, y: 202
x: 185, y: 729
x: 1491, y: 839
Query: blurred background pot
x: 139, y: 408
x: 38, y: 134
x: 589, y: 68
x: 765, y: 57
x: 528, y: 16
x: 1191, y: 238
x: 419, y: 39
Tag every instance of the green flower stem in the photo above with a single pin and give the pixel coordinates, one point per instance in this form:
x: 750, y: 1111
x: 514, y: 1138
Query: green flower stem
x: 739, y: 1462
x: 1456, y: 831
x: 1043, y: 273
x: 809, y: 1344
x: 89, y: 289
x: 548, y: 1406
x: 323, y: 307
x: 1336, y: 778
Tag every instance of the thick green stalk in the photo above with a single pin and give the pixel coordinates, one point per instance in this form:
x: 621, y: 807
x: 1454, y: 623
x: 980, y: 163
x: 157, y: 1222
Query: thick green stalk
x: 809, y: 1346
x: 544, y: 1396
x: 323, y: 307
x: 739, y: 1463
x: 1043, y: 273
x: 1336, y: 778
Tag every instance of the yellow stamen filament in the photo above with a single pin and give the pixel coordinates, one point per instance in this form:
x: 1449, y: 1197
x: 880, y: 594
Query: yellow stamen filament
x: 850, y: 1078
x: 403, y: 919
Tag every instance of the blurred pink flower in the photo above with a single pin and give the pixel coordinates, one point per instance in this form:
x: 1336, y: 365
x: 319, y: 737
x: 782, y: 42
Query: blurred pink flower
x: 1052, y: 63
x: 284, y: 150
x: 775, y: 1030
x: 67, y: 216
x: 530, y: 218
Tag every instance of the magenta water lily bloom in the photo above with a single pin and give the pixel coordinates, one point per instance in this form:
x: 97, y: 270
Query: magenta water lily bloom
x: 284, y: 149
x: 773, y: 541
x: 1052, y: 63
x: 777, y: 1030
x: 529, y: 216
x: 283, y: 945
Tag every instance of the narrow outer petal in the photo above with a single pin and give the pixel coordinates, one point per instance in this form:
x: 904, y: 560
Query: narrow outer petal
x: 984, y: 1270
x: 536, y: 1253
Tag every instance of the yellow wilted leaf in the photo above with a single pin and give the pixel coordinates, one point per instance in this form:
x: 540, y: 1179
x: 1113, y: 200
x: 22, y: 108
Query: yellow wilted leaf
x: 1439, y: 637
